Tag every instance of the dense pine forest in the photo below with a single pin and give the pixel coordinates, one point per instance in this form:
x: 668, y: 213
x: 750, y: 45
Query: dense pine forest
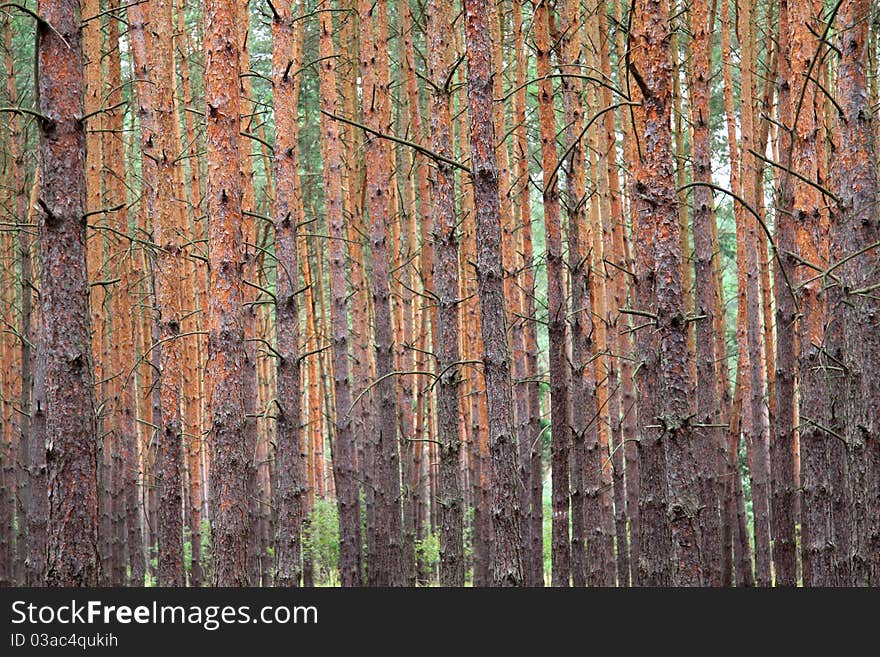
x: 426, y: 292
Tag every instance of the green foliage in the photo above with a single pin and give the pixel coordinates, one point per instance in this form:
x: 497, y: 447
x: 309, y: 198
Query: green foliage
x: 321, y: 540
x: 547, y: 526
x: 428, y: 553
x: 205, y: 553
x: 468, y: 541
x: 546, y: 438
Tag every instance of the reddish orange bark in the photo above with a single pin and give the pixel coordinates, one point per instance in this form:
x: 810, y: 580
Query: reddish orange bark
x: 229, y: 457
x: 64, y: 297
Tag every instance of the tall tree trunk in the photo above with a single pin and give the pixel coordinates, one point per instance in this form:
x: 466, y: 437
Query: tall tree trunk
x: 194, y: 398
x: 623, y: 250
x: 71, y: 455
x: 290, y: 488
x: 417, y: 218
x: 21, y: 210
x: 526, y: 367
x: 343, y: 448
x: 249, y: 382
x: 167, y: 276
x: 584, y: 475
x: 602, y: 524
x: 229, y: 456
x: 138, y: 17
x: 748, y: 241
x: 613, y: 268
x: 666, y: 428
x: 710, y: 437
x: 855, y: 232
x: 384, y: 567
x: 506, y: 566
x: 782, y: 447
x: 557, y: 307
x: 96, y: 258
x: 818, y: 549
x: 123, y: 356
x: 445, y: 274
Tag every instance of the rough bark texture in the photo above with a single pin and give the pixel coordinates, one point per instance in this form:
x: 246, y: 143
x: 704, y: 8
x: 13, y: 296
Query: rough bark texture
x: 709, y: 438
x: 526, y: 367
x: 782, y: 465
x: 138, y: 18
x: 384, y: 565
x: 586, y: 553
x: 343, y: 447
x: 167, y: 277
x: 38, y: 513
x: 445, y: 247
x: 289, y: 456
x: 667, y: 427
x: 226, y: 357
x: 19, y: 211
x: 853, y: 339
x: 557, y: 307
x: 757, y: 438
x: 126, y: 514
x: 70, y: 439
x: 506, y: 556
x: 818, y: 549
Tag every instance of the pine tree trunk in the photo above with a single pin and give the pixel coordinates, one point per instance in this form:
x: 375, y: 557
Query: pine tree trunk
x: 124, y: 475
x: 782, y: 447
x: 20, y: 213
x: 557, y: 307
x: 506, y: 558
x: 64, y: 296
x: 818, y: 549
x: 384, y: 567
x: 167, y: 276
x: 757, y: 437
x: 290, y: 487
x: 665, y: 446
x: 343, y: 448
x: 226, y: 357
x: 526, y: 367
x: 710, y: 435
x: 445, y: 275
x: 855, y: 228
x: 138, y: 17
x: 96, y: 258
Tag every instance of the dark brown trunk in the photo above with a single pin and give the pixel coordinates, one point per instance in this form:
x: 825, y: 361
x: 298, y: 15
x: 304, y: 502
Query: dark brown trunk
x: 384, y: 566
x: 445, y: 247
x: 71, y: 456
x: 819, y: 552
x: 852, y: 341
x: 289, y: 485
x: 38, y: 514
x: 782, y: 446
x: 506, y: 556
